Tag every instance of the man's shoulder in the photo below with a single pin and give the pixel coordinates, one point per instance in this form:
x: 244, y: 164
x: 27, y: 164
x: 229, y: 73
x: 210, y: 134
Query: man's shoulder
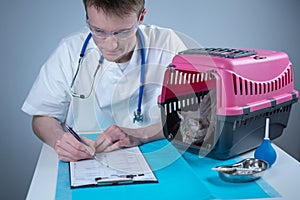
x: 75, y: 37
x: 153, y: 29
x: 156, y: 35
x: 71, y: 44
x: 161, y: 37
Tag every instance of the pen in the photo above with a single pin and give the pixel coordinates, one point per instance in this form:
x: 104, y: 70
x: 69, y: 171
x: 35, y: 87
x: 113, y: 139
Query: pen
x: 77, y: 136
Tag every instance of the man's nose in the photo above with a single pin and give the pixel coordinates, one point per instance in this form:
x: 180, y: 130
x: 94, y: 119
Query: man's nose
x: 111, y: 43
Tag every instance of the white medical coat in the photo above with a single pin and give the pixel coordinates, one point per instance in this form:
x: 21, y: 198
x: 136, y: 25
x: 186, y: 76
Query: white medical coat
x: 115, y: 92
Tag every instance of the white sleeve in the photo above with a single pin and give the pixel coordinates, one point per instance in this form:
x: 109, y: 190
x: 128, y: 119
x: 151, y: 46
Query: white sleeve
x: 49, y: 94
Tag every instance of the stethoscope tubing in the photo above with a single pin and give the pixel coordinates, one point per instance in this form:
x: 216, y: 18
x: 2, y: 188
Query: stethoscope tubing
x: 142, y: 75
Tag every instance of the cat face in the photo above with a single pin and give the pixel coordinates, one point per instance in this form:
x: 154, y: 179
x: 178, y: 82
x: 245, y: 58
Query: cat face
x: 196, y: 126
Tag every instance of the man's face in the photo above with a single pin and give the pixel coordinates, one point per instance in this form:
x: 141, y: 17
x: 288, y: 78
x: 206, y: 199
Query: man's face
x: 113, y: 48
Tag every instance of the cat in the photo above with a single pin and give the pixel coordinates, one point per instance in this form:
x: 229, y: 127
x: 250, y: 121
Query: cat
x: 198, y: 127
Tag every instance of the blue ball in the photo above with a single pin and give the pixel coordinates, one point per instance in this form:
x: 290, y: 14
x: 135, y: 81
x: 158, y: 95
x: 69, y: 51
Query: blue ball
x: 266, y: 152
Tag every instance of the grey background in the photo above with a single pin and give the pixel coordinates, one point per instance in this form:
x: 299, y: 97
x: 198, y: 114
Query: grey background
x: 30, y: 30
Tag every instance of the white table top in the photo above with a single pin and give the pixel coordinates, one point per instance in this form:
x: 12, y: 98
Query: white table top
x: 284, y: 175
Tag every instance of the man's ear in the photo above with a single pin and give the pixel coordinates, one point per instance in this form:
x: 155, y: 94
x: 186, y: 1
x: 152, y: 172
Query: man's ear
x: 142, y: 17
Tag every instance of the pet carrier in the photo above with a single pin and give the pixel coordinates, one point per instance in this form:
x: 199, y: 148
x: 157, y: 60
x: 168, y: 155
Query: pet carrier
x: 214, y: 101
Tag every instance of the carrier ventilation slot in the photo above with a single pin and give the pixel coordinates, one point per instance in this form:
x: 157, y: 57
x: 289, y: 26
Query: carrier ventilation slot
x: 180, y: 77
x: 248, y: 121
x: 189, y: 102
x: 245, y: 87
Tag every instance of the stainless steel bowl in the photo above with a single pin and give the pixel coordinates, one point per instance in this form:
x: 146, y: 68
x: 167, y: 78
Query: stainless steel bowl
x: 246, y: 170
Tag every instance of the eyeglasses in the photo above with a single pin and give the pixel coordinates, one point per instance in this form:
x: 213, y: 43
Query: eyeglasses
x: 119, y: 35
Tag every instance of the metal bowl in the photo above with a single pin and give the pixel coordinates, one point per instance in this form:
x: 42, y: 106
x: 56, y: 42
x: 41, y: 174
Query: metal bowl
x: 246, y: 170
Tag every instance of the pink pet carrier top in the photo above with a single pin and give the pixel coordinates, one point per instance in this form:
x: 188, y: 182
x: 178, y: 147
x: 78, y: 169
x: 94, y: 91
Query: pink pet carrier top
x: 244, y: 79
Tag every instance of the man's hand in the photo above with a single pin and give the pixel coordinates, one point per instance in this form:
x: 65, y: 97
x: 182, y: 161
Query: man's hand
x: 115, y: 137
x: 69, y: 148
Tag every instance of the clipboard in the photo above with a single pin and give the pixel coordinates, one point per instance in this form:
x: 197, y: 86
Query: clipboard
x: 123, y: 166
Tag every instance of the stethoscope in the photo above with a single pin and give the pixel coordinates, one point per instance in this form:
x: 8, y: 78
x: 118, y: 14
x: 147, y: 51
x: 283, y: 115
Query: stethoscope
x: 137, y: 115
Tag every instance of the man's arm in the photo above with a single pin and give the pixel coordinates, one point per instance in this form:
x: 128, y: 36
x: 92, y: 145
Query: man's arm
x: 68, y: 148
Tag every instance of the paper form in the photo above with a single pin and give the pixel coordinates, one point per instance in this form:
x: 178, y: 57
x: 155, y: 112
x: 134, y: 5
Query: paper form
x: 124, y: 164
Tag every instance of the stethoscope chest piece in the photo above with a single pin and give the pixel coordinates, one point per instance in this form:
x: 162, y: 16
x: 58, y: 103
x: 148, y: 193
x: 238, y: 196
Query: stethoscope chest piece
x: 138, y: 117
